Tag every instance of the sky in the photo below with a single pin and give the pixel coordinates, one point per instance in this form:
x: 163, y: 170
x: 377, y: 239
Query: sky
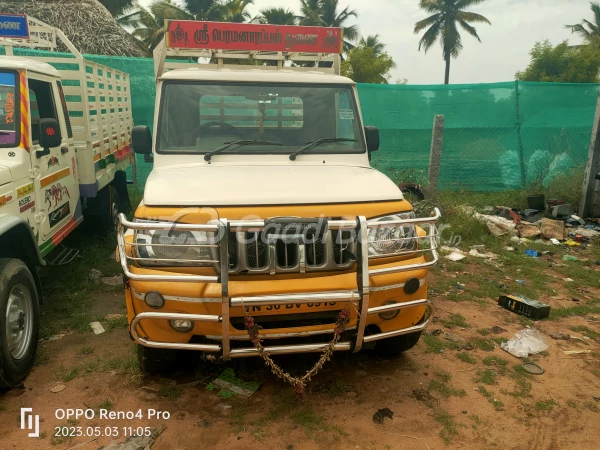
x: 516, y: 26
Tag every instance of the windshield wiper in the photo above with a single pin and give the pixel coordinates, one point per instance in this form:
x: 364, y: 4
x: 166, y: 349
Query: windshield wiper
x: 312, y: 144
x: 209, y: 155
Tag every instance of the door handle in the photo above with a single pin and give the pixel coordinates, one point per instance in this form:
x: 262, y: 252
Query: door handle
x: 64, y: 149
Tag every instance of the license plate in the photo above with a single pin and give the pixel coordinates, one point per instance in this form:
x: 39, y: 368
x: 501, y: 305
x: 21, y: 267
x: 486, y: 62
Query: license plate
x: 304, y: 307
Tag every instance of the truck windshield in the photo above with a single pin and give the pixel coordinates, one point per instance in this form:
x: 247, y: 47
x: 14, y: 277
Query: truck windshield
x: 197, y: 118
x: 9, y: 114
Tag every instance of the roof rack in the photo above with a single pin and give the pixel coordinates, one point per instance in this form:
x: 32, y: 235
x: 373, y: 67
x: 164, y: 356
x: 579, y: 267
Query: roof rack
x: 217, y: 45
x: 40, y: 36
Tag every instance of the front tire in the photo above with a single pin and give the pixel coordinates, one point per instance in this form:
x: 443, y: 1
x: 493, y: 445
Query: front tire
x: 394, y: 346
x: 155, y: 360
x: 19, y: 321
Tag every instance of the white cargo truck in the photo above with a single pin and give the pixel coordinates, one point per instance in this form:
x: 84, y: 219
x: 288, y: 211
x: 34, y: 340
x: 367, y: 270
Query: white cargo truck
x: 65, y: 133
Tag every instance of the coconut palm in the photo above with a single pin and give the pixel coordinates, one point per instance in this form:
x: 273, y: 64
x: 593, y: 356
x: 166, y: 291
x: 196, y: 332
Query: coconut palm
x: 205, y: 9
x: 278, y: 16
x: 589, y: 30
x: 235, y: 10
x: 446, y: 17
x: 373, y: 42
x: 311, y: 12
x: 325, y: 13
x: 118, y: 7
x: 150, y: 25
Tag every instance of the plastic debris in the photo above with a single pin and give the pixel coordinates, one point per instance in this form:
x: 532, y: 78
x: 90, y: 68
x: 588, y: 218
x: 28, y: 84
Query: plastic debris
x: 570, y: 258
x: 230, y: 385
x: 474, y: 252
x: 531, y: 253
x: 578, y: 219
x: 555, y: 241
x: 97, y: 327
x: 454, y: 256
x: 587, y: 233
x: 509, y: 249
x: 572, y: 243
x: 526, y: 342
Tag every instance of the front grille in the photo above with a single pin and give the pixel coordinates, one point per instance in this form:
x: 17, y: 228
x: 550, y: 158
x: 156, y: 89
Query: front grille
x: 249, y: 254
x: 315, y: 253
x: 256, y: 251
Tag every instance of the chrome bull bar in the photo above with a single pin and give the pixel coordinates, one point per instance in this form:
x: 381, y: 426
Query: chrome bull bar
x: 359, y: 297
x: 278, y: 349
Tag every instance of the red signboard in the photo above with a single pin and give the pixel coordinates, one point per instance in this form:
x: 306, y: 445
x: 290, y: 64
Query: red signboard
x: 244, y: 36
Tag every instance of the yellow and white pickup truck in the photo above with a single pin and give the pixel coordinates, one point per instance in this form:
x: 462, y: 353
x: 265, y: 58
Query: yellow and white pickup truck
x: 65, y: 130
x: 262, y: 199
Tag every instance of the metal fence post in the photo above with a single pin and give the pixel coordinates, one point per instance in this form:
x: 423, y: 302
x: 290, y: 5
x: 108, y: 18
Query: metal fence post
x: 435, y: 155
x: 519, y: 139
x: 590, y: 197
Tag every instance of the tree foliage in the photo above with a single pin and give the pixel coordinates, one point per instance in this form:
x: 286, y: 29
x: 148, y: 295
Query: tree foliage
x: 326, y: 13
x: 562, y: 64
x: 364, y: 65
x: 278, y: 16
x: 589, y: 30
x: 118, y: 7
x: 447, y: 16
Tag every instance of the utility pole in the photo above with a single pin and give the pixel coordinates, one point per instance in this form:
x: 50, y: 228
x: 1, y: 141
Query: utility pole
x: 589, y: 205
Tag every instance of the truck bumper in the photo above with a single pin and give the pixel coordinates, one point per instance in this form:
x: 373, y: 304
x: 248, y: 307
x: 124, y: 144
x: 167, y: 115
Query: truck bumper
x: 369, y: 290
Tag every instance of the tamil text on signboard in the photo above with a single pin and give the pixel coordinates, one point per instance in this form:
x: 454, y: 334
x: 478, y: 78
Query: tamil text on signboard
x: 238, y: 36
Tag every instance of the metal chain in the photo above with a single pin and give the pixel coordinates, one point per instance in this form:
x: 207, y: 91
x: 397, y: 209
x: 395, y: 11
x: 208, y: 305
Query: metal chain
x: 299, y: 383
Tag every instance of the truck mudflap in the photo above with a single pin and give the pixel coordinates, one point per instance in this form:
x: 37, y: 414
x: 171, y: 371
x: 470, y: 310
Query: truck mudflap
x: 359, y: 298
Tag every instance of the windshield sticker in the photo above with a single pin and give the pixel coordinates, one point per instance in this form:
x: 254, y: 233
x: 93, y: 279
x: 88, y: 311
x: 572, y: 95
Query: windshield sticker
x: 346, y: 114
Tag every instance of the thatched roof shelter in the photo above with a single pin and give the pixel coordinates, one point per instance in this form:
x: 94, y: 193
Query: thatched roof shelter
x: 86, y: 23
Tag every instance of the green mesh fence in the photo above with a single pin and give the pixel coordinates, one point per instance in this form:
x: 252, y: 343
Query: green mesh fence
x: 497, y: 136
x: 491, y: 141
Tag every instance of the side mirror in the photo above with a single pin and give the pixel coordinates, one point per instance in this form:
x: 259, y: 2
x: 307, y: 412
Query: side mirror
x: 372, y: 135
x: 49, y: 136
x: 141, y: 139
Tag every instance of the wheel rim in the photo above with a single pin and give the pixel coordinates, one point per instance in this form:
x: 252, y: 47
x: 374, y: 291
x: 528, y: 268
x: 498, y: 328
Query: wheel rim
x: 19, y: 321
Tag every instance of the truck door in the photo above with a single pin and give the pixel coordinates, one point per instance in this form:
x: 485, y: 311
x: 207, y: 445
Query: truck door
x: 56, y: 186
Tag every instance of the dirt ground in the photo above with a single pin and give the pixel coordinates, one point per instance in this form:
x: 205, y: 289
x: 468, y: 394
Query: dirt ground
x: 456, y: 389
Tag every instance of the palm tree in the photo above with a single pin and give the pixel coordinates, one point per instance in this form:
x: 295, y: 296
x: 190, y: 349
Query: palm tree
x: 205, y: 9
x: 235, y: 10
x: 591, y: 34
x: 118, y: 7
x: 278, y: 16
x: 373, y: 42
x: 442, y: 25
x: 311, y: 12
x: 324, y: 13
x: 150, y: 25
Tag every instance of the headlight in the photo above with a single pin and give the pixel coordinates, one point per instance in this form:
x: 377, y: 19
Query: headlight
x: 175, y: 245
x: 390, y: 240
